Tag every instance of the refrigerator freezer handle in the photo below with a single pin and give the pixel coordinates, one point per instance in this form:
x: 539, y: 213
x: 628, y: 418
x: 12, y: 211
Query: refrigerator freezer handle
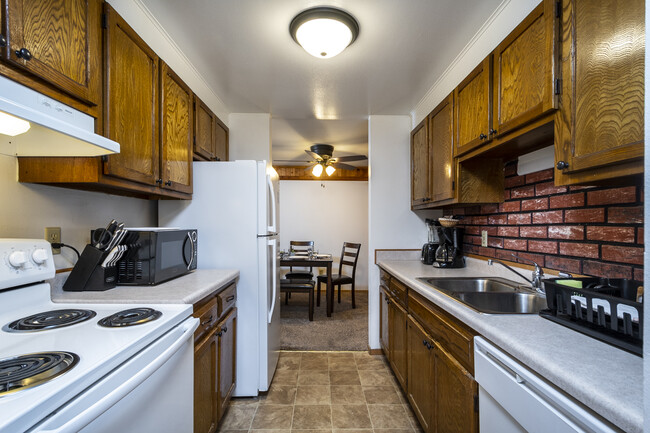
x: 269, y: 183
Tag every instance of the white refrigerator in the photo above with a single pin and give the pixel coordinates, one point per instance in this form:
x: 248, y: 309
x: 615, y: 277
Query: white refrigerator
x: 234, y: 207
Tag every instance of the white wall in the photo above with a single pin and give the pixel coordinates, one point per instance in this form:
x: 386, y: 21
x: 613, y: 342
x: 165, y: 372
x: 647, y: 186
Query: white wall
x: 150, y: 30
x: 306, y: 214
x: 392, y: 224
x: 26, y: 209
x: 498, y: 25
x: 250, y: 136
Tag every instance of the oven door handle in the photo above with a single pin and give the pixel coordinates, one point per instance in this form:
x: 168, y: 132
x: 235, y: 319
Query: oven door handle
x: 93, y: 412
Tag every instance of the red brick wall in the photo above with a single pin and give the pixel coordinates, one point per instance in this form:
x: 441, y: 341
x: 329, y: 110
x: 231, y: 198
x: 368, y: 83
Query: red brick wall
x: 577, y: 229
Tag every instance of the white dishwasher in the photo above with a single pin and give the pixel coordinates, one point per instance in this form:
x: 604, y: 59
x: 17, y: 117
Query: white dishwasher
x: 512, y: 399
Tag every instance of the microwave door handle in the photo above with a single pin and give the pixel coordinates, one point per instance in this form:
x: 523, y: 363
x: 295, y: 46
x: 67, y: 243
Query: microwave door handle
x: 269, y: 182
x: 193, y: 247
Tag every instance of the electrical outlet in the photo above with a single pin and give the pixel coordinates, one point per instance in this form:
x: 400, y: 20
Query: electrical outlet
x: 53, y: 235
x: 484, y: 238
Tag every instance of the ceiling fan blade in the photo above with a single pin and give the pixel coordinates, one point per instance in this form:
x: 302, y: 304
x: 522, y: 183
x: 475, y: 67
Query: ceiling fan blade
x: 314, y: 155
x: 343, y: 166
x: 292, y: 161
x: 310, y: 168
x: 351, y: 158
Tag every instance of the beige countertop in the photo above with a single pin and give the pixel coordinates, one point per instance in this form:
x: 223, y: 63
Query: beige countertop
x: 602, y: 377
x: 187, y: 289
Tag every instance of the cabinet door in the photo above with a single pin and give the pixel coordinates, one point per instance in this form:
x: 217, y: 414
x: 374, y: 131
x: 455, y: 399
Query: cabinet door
x: 397, y: 339
x: 131, y: 100
x: 473, y: 105
x: 221, y: 147
x: 176, y: 131
x: 420, y: 163
x: 205, y: 132
x: 443, y: 170
x: 524, y: 70
x: 227, y: 331
x: 421, y: 380
x: 600, y: 122
x: 456, y: 402
x: 59, y: 41
x: 383, y: 320
x: 205, y: 384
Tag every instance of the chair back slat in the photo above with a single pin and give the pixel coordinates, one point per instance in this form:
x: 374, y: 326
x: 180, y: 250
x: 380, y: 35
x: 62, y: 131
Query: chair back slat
x: 301, y: 248
x: 349, y: 250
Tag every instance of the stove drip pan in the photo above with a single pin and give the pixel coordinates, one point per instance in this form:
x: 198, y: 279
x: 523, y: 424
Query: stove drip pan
x: 27, y: 371
x: 131, y: 317
x: 49, y: 320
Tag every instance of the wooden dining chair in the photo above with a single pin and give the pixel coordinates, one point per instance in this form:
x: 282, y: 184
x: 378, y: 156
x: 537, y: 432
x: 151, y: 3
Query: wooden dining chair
x: 300, y: 248
x: 349, y: 258
x: 301, y: 286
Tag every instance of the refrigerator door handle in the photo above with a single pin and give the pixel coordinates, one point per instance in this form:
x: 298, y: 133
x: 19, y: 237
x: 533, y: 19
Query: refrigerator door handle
x: 274, y: 243
x: 269, y: 183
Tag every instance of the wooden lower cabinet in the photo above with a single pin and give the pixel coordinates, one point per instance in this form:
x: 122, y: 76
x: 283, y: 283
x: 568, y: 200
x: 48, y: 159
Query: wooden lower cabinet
x: 421, y: 370
x: 397, y: 340
x: 383, y: 320
x: 214, y: 361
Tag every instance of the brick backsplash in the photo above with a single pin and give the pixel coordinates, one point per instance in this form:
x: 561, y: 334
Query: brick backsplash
x: 591, y: 230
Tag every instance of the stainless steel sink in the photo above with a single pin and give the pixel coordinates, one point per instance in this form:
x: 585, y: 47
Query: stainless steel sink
x: 490, y: 295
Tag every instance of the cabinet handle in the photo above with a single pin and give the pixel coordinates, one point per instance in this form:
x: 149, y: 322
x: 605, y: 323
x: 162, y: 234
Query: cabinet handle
x: 562, y: 165
x: 424, y: 342
x: 3, y: 41
x: 482, y: 136
x: 207, y: 321
x: 493, y: 131
x: 24, y: 53
x: 159, y: 181
x: 219, y: 334
x: 230, y: 298
x: 168, y: 183
x: 216, y: 158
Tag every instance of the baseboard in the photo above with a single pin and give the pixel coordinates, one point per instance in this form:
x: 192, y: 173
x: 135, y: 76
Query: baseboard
x: 375, y: 351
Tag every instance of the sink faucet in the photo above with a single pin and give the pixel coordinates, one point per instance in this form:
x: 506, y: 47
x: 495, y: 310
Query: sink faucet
x: 538, y: 273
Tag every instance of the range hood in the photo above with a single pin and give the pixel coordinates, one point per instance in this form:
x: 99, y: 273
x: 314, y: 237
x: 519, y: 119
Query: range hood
x: 54, y: 129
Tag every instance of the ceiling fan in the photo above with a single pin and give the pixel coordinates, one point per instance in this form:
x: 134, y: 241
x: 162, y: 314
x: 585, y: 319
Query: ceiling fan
x: 323, y: 160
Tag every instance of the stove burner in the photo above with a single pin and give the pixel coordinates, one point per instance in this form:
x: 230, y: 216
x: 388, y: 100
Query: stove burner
x: 26, y: 371
x: 49, y: 320
x: 131, y: 317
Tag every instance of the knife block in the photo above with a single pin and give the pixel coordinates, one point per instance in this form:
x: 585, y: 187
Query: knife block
x: 88, y: 273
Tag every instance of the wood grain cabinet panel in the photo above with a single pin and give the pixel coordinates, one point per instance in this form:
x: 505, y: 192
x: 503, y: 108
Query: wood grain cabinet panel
x: 131, y: 99
x: 227, y: 332
x: 397, y: 340
x: 473, y: 108
x: 221, y: 147
x: 599, y: 132
x: 443, y: 167
x: 210, y: 134
x: 421, y: 368
x: 524, y: 70
x: 420, y: 163
x: 383, y: 320
x: 58, y: 41
x: 205, y: 384
x: 176, y: 136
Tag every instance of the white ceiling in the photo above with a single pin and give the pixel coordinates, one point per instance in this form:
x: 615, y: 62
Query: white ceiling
x: 245, y: 53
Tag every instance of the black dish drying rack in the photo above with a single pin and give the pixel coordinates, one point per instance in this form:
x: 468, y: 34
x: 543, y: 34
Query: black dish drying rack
x: 584, y: 310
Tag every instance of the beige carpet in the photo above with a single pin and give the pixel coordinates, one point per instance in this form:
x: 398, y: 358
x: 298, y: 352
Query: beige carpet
x: 347, y: 329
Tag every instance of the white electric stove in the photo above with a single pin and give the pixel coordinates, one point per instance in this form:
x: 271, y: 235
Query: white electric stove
x: 88, y: 367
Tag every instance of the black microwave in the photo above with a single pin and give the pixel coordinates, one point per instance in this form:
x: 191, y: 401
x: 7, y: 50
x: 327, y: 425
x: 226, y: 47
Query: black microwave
x: 156, y: 255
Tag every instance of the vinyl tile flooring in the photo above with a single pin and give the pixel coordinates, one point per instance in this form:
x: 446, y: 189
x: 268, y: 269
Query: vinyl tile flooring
x: 325, y: 392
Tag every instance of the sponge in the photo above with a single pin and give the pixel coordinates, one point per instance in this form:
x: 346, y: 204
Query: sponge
x: 571, y: 283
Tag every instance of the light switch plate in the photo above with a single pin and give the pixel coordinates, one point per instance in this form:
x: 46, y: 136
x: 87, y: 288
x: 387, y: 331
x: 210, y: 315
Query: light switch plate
x: 484, y: 238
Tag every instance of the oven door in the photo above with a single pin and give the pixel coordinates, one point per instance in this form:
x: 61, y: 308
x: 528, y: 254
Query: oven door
x: 151, y: 392
x: 175, y: 254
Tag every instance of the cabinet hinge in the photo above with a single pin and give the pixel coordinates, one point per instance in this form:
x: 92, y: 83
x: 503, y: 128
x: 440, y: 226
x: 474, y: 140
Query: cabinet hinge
x: 104, y: 21
x: 104, y: 158
x: 558, y: 9
x: 558, y: 86
x: 476, y: 403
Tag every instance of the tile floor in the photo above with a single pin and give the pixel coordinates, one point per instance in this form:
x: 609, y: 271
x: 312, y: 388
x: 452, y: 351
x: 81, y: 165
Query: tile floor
x: 323, y: 392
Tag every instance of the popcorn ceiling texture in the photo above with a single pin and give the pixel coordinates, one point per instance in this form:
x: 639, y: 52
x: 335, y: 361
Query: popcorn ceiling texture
x: 578, y: 229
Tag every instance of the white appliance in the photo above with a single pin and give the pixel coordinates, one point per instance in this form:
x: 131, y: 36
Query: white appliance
x: 106, y: 379
x: 55, y: 129
x: 512, y: 399
x: 234, y: 207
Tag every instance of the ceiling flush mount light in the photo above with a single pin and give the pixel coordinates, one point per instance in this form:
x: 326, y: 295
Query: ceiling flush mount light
x: 324, y: 31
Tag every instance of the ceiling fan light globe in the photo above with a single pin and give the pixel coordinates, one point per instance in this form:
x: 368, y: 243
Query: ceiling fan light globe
x: 317, y: 170
x: 329, y: 170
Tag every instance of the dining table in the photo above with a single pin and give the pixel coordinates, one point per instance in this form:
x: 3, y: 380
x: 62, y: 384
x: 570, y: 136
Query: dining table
x: 315, y: 261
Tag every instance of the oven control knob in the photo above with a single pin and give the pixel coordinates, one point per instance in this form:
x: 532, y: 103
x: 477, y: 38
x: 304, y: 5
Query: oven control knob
x: 17, y: 259
x: 39, y: 256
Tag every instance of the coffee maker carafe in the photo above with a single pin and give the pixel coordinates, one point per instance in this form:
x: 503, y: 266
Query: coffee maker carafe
x: 429, y: 249
x: 449, y: 254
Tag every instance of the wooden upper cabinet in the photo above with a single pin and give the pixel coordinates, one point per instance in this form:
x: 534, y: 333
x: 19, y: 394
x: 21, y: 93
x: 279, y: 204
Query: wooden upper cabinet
x: 599, y: 129
x: 131, y: 102
x: 441, y: 148
x: 420, y: 163
x: 524, y: 70
x: 473, y: 109
x: 210, y: 134
x: 176, y: 136
x: 58, y: 41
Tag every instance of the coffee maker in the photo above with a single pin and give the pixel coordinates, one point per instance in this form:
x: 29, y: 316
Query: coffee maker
x: 450, y: 252
x: 429, y: 249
